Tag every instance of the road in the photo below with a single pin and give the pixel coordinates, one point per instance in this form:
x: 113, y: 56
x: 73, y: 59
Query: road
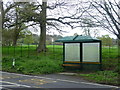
x: 12, y: 80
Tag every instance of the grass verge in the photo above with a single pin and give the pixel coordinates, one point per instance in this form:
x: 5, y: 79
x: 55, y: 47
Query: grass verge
x: 103, y: 77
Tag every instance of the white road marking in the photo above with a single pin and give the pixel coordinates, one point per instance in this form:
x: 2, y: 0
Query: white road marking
x: 68, y: 73
x: 64, y: 80
x: 101, y: 85
x: 13, y: 84
x: 8, y: 85
x: 89, y: 83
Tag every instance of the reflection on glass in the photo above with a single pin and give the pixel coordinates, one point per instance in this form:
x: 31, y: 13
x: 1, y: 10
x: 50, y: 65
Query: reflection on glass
x: 91, y: 52
x: 72, y: 51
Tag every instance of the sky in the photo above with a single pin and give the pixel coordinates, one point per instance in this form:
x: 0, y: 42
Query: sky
x: 70, y: 31
x: 79, y: 31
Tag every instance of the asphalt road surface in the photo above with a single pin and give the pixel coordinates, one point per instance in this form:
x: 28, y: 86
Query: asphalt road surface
x: 12, y: 80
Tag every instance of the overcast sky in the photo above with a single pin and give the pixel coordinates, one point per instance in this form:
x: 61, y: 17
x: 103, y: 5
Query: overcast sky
x: 70, y: 31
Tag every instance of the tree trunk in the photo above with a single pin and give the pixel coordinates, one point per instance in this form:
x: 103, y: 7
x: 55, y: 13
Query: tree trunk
x: 15, y: 37
x: 42, y: 41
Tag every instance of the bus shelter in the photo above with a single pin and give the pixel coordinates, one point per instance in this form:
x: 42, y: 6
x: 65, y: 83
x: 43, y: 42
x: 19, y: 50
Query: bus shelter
x: 81, y: 51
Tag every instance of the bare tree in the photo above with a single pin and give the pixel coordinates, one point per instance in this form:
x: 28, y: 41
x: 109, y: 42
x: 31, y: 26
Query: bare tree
x: 54, y: 19
x: 107, y: 15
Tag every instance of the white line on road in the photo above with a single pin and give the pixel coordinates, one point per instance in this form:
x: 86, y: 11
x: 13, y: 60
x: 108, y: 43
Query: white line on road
x: 64, y: 80
x: 89, y: 83
x: 14, y: 84
x: 8, y: 85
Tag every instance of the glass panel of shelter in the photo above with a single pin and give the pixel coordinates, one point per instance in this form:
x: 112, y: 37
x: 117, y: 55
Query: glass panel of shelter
x: 91, y: 52
x: 72, y: 51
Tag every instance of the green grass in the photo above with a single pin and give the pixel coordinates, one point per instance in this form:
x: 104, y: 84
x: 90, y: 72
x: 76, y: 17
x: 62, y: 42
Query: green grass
x: 110, y: 58
x: 32, y: 66
x: 31, y: 62
x: 111, y: 52
x: 104, y: 77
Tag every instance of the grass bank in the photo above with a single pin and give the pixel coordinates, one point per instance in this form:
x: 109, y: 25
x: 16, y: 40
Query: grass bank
x: 27, y: 61
x: 103, y: 77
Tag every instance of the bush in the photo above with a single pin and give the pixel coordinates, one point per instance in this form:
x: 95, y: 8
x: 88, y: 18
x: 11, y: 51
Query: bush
x: 32, y: 66
x: 42, y: 67
x: 117, y: 68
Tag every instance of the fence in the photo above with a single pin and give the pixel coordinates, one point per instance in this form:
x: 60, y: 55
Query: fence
x: 29, y: 51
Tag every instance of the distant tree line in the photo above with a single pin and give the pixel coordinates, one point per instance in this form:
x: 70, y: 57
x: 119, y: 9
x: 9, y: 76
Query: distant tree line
x: 108, y: 41
x: 27, y: 38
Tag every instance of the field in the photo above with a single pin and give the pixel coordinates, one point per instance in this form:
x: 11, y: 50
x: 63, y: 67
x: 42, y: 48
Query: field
x: 27, y: 61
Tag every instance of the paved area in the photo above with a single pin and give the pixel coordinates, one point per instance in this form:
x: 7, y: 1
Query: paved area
x: 12, y: 80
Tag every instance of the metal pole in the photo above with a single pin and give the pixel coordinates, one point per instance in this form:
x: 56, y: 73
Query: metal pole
x: 53, y: 46
x: 13, y: 63
x: 109, y: 51
x: 14, y: 51
x: 8, y: 50
x: 118, y: 61
x: 45, y: 53
x: 28, y: 50
x: 21, y: 50
x: 36, y: 52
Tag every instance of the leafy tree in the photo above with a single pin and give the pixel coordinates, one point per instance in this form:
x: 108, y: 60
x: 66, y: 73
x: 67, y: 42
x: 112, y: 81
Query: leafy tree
x: 28, y: 39
x: 7, y: 37
x: 106, y: 40
x: 12, y: 20
x: 35, y: 38
x: 50, y: 39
